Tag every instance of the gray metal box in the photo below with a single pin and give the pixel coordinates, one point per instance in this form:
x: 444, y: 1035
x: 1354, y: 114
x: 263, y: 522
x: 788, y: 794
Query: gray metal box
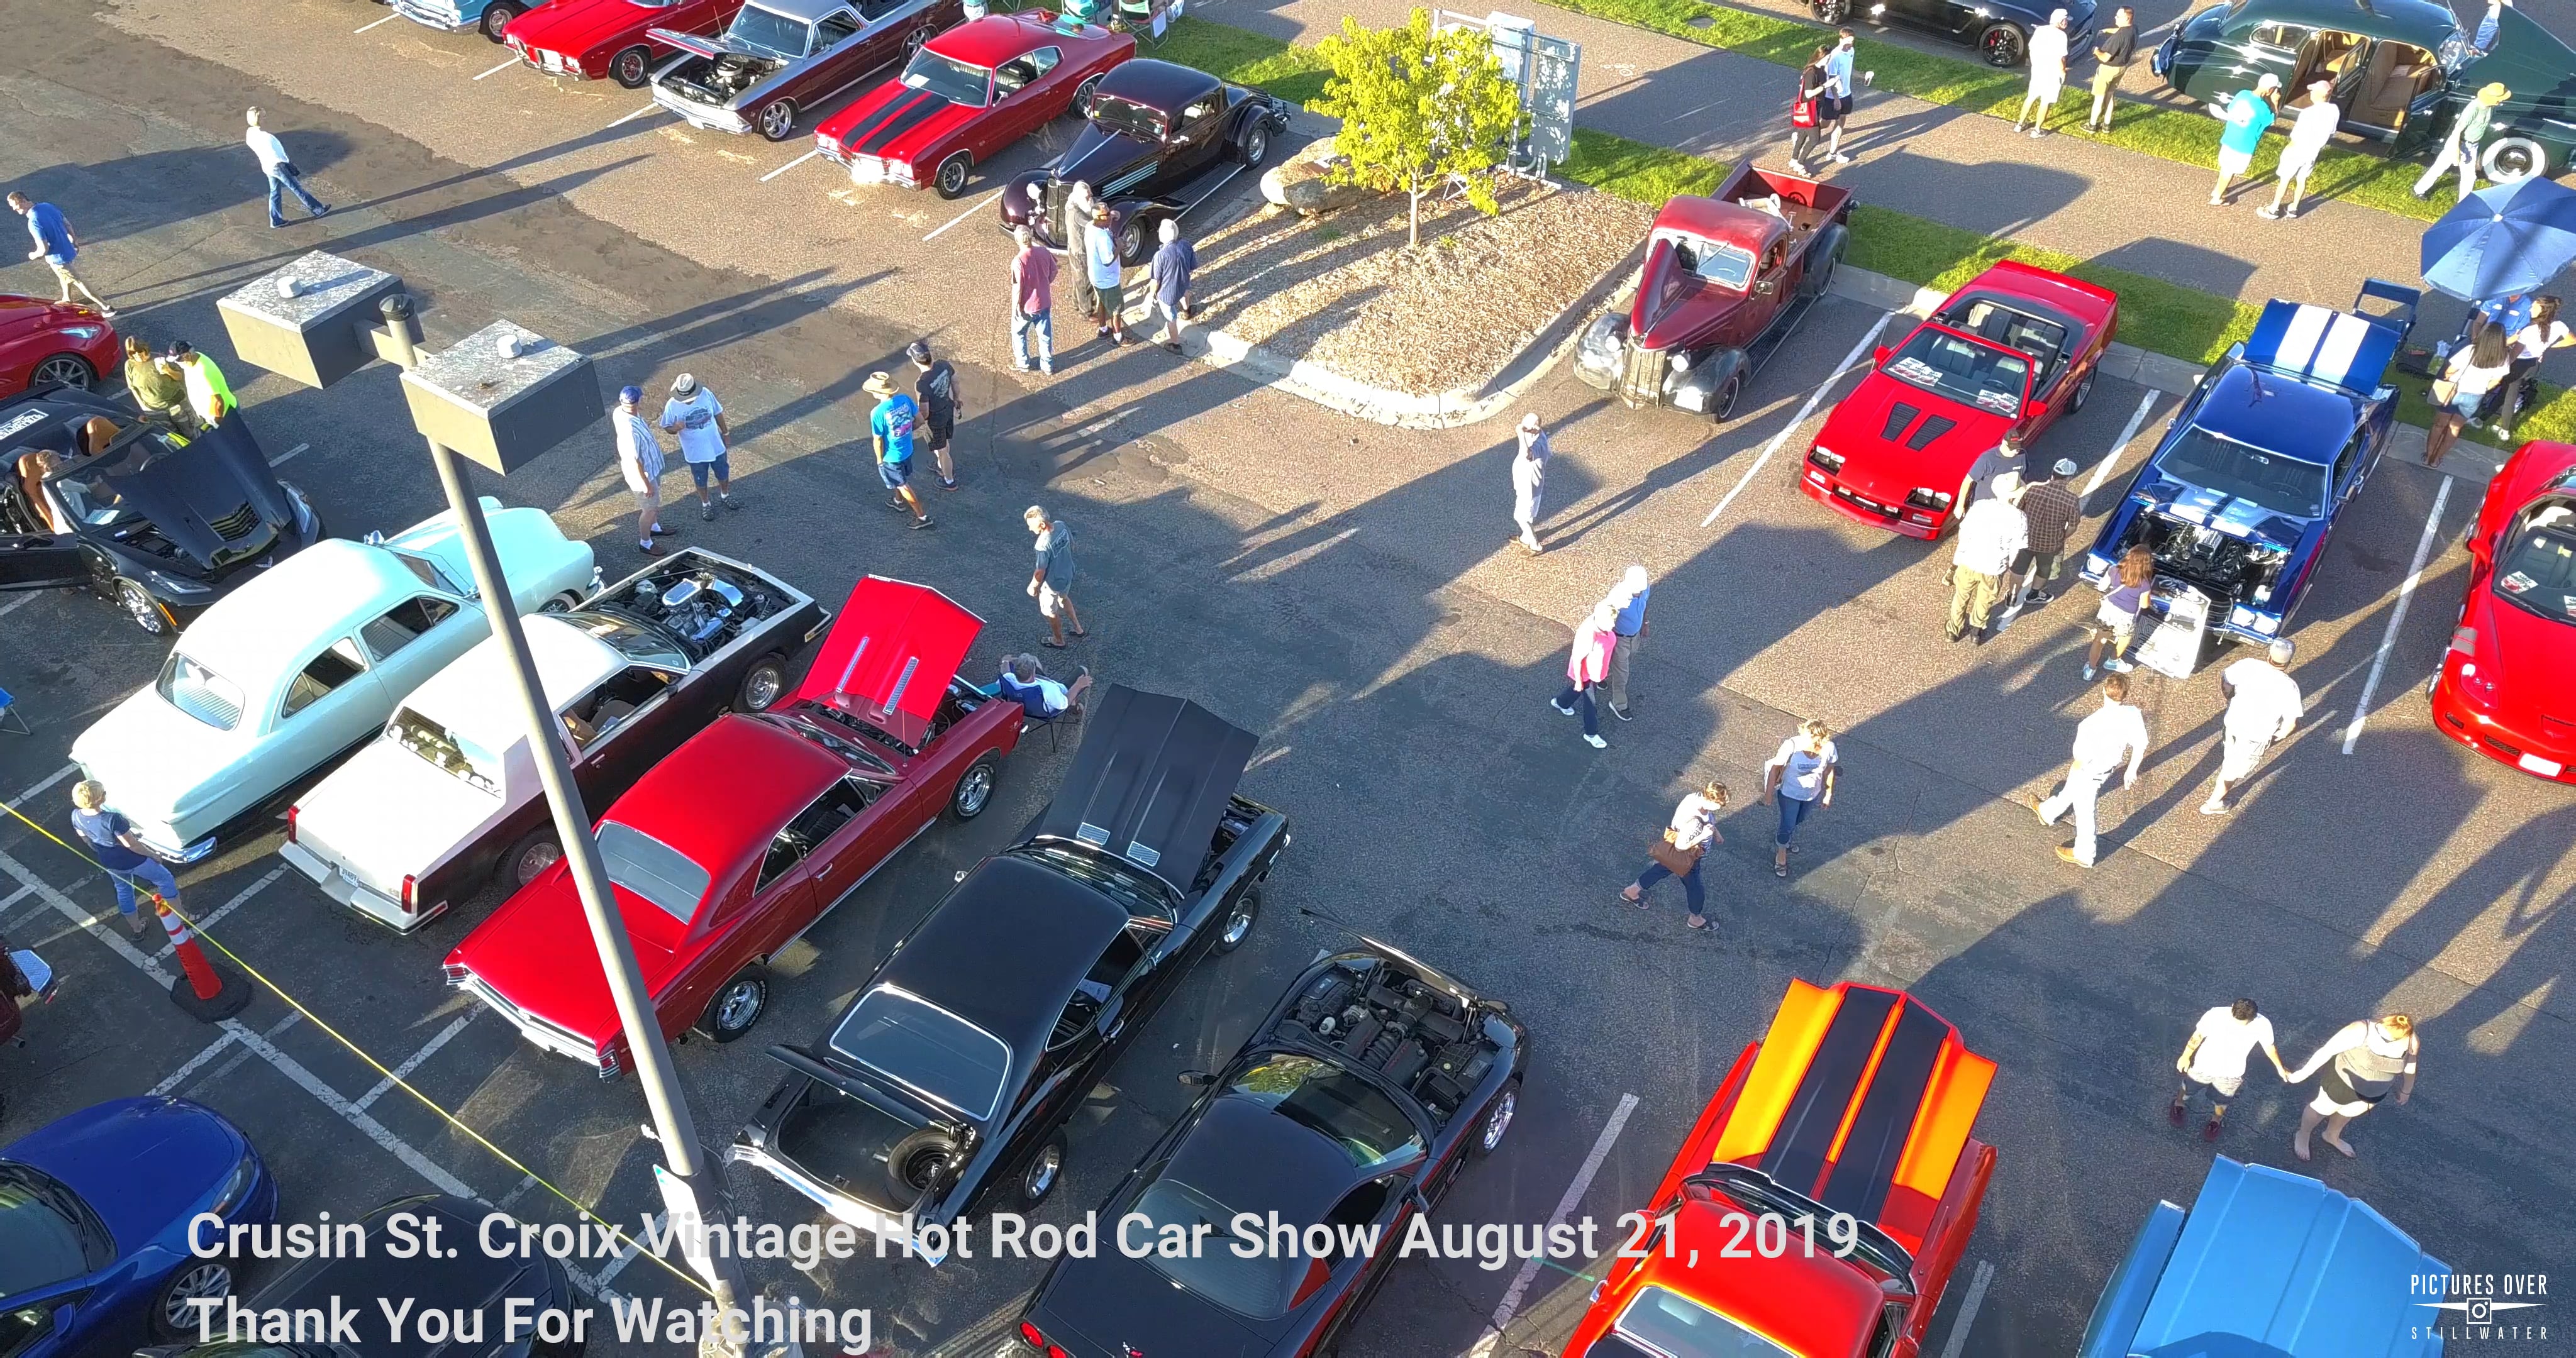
x: 318, y: 336
x: 502, y: 412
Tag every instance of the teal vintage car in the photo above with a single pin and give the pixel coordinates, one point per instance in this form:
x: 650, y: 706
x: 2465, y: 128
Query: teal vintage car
x: 2402, y: 70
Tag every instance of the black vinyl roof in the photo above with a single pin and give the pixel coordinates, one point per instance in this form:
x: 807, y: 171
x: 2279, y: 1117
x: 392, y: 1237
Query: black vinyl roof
x: 1150, y: 781
x: 1005, y: 950
x: 1156, y: 84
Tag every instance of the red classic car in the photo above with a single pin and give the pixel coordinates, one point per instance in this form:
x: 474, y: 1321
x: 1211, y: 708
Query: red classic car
x: 1821, y: 1203
x: 738, y: 842
x: 2503, y: 690
x: 53, y: 344
x: 609, y: 39
x: 2013, y: 350
x: 966, y: 95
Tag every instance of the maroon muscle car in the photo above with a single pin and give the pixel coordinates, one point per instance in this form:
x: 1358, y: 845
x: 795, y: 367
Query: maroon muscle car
x: 609, y: 39
x: 780, y: 57
x: 966, y: 95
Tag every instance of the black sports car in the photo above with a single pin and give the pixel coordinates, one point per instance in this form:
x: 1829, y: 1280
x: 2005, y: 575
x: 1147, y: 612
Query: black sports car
x: 1158, y: 140
x: 160, y: 523
x: 953, y: 1072
x: 1352, y: 1106
x: 1999, y: 29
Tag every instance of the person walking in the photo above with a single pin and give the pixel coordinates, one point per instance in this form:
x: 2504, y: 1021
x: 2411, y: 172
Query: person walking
x: 2540, y: 333
x: 1032, y: 304
x: 210, y: 397
x: 2215, y: 1059
x: 1529, y: 479
x: 2051, y: 510
x: 2474, y: 370
x: 281, y: 173
x: 2362, y: 1064
x: 1799, y: 779
x: 934, y: 390
x: 1589, y: 663
x: 1051, y: 582
x: 58, y: 247
x: 1807, y: 112
x: 890, y: 428
x: 2263, y: 707
x: 1170, y: 274
x: 1838, y: 101
x: 2113, y: 48
x: 2115, y: 732
x: 1100, y: 257
x: 2047, y: 74
x: 2249, y: 116
x: 109, y: 839
x: 1628, y: 597
x: 639, y: 463
x: 2115, y: 623
x: 2463, y: 144
x: 1677, y: 854
x: 1991, y: 538
x: 156, y: 384
x: 694, y: 413
x: 2309, y: 134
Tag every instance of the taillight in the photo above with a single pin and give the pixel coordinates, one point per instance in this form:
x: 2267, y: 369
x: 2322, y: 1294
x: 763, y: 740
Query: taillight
x: 290, y: 825
x: 2464, y: 640
x: 410, y: 887
x: 456, y: 972
x: 1029, y: 1335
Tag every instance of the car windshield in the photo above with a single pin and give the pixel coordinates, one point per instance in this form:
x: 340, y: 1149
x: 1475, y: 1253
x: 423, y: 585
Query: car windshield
x: 92, y: 489
x: 652, y: 869
x: 1963, y: 370
x: 834, y: 730
x: 446, y: 751
x: 948, y: 78
x: 1126, y: 115
x: 46, y: 1236
x: 189, y: 686
x: 431, y: 572
x: 2537, y: 568
x: 2241, y: 471
x: 926, y: 1049
x: 634, y: 640
x: 1666, y: 1322
x: 1728, y: 266
x: 768, y: 31
x: 1341, y: 1107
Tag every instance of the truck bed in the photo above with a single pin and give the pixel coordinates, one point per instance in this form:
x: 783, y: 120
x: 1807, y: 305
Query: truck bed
x: 1808, y: 205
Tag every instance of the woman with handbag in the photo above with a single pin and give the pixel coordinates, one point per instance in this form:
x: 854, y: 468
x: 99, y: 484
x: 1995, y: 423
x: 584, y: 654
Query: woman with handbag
x: 1678, y: 851
x: 1806, y: 114
x: 2472, y: 372
x: 1799, y: 779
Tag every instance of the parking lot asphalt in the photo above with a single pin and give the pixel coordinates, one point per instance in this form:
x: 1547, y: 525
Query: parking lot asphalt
x: 1345, y: 590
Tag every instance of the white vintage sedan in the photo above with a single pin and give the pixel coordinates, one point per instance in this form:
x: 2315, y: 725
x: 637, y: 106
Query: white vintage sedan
x: 297, y: 667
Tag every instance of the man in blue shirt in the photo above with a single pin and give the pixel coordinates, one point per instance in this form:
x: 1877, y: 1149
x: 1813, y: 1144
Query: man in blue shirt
x: 57, y: 246
x: 2249, y: 116
x: 891, y: 425
x: 2512, y: 311
x: 1628, y: 597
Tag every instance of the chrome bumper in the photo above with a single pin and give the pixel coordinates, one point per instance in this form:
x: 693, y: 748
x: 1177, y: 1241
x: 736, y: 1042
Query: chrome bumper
x: 699, y: 115
x: 339, y: 886
x: 544, y: 1035
x: 443, y: 21
x: 892, y: 1228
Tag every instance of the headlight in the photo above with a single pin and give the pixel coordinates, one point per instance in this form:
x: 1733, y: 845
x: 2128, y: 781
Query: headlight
x: 2241, y: 616
x: 1601, y: 339
x: 82, y: 332
x: 1826, y: 458
x: 1681, y: 360
x: 1928, y: 499
x: 236, y: 1186
x: 2267, y: 623
x: 179, y: 584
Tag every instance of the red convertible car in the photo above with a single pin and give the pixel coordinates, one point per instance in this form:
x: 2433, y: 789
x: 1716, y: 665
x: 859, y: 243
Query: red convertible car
x: 966, y: 95
x: 747, y: 834
x: 52, y: 344
x: 1822, y: 1202
x: 2013, y: 350
x: 609, y: 39
x: 2503, y: 690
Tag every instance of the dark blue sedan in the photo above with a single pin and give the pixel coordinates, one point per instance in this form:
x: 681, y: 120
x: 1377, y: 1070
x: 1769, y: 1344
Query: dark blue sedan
x: 2238, y: 497
x: 94, y: 1218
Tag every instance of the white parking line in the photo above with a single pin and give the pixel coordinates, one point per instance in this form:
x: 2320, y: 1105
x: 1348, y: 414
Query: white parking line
x: 969, y: 212
x: 1803, y: 412
x: 791, y: 165
x: 608, y: 1272
x: 2397, y: 615
x: 2102, y: 472
x: 412, y: 1062
x: 381, y: 22
x: 648, y: 108
x: 288, y: 456
x: 14, y: 897
x: 180, y: 1076
x: 18, y: 603
x: 208, y: 921
x: 500, y: 68
x: 1968, y: 1310
x: 58, y: 775
x: 1511, y: 1303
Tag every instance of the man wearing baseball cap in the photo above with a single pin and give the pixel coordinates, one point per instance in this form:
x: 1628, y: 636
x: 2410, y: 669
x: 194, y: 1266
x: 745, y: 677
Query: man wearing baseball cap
x: 2460, y: 147
x: 890, y: 427
x: 2052, y: 511
x: 694, y: 413
x: 639, y: 460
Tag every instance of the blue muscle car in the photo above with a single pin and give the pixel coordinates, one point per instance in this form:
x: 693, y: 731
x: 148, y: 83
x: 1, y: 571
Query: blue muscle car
x: 2239, y: 495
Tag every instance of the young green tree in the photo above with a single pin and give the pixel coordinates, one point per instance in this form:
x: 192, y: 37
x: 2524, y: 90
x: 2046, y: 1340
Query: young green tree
x: 1419, y: 109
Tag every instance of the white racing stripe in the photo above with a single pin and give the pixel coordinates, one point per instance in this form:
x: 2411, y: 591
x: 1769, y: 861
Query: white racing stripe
x: 1511, y: 1303
x: 500, y: 68
x: 2102, y: 470
x: 379, y: 23
x: 969, y: 212
x: 1968, y: 1310
x: 1803, y: 412
x: 2397, y: 615
x: 791, y: 165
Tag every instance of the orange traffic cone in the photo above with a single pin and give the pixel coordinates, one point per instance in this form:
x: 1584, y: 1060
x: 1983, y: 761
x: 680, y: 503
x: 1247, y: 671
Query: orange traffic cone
x: 206, y: 994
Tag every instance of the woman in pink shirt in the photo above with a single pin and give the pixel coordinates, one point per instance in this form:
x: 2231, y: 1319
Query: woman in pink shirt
x: 1587, y: 667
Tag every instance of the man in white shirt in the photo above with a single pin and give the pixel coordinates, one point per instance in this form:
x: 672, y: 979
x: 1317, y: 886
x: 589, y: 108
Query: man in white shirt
x: 2309, y: 135
x: 639, y: 461
x: 2047, y: 74
x: 2263, y: 705
x: 2215, y: 1059
x: 282, y: 178
x: 1991, y: 537
x: 694, y: 413
x: 2102, y: 741
x: 1024, y: 681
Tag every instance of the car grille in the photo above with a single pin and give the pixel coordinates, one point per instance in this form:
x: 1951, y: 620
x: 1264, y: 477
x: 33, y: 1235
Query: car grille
x: 236, y: 525
x: 1865, y: 505
x: 1641, y: 377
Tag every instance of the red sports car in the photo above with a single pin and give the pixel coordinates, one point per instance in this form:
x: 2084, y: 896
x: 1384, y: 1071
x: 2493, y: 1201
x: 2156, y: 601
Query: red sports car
x: 739, y: 841
x: 2505, y: 688
x: 51, y: 344
x: 2013, y: 350
x: 1822, y: 1202
x: 966, y: 95
x: 608, y: 39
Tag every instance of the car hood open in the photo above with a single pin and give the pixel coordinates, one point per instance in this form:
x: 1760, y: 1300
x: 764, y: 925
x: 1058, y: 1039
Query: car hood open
x: 2233, y: 515
x: 1150, y: 782
x: 1673, y: 306
x: 890, y: 655
x: 216, y: 500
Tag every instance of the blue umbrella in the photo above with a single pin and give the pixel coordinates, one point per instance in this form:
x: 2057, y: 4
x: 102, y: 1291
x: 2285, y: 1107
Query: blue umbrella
x: 2503, y: 238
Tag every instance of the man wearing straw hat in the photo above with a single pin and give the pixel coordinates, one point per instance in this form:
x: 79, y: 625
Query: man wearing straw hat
x: 891, y: 425
x: 2468, y: 133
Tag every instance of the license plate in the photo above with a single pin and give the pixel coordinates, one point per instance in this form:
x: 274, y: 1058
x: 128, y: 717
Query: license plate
x: 2546, y: 768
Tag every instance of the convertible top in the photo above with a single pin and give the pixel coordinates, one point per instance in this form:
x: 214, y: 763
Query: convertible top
x: 1150, y: 782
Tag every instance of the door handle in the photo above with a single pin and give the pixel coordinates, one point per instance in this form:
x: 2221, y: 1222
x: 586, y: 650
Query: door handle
x: 823, y: 871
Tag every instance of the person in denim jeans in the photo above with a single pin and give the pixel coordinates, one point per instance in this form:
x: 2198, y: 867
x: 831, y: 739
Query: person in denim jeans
x: 1693, y: 829
x: 1587, y: 668
x: 1032, y: 304
x: 109, y: 841
x: 1799, y: 778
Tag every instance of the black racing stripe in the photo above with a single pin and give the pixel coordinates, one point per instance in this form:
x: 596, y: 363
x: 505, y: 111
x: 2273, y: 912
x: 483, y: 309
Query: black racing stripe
x: 1932, y: 428
x: 1899, y: 415
x: 1797, y: 1154
x: 1887, y: 1115
x: 928, y: 106
x: 859, y: 130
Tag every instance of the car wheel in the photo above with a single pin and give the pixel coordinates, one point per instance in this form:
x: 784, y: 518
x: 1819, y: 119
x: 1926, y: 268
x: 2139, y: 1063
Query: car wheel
x: 139, y: 605
x: 62, y: 370
x: 562, y: 603
x: 1256, y: 143
x: 1832, y: 11
x: 2509, y: 159
x: 1498, y: 1119
x: 172, y: 1317
x: 527, y: 860
x: 2083, y: 393
x: 632, y: 67
x: 950, y: 179
x: 778, y: 119
x: 738, y: 1004
x: 496, y: 18
x: 919, y: 1162
x: 2002, y: 46
x: 761, y: 685
x: 1239, y: 920
x: 1721, y: 407
x: 913, y: 41
x: 1045, y: 1168
x: 974, y: 790
x: 1131, y: 240
x: 1082, y: 97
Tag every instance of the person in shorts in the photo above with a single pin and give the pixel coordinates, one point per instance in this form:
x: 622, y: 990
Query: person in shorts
x: 1102, y: 265
x: 2115, y: 624
x: 2249, y: 115
x: 890, y: 428
x: 934, y: 389
x: 639, y: 463
x: 58, y: 247
x: 2047, y: 59
x: 109, y: 840
x: 1051, y: 582
x: 694, y: 413
x: 2309, y: 133
x: 2214, y: 1059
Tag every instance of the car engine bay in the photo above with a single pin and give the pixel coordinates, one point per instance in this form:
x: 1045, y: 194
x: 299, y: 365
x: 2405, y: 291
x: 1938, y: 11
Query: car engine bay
x: 1416, y: 1036
x: 2228, y: 568
x: 701, y: 605
x: 722, y: 78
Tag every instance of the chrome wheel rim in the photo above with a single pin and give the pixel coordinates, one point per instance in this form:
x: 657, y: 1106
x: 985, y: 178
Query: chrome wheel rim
x: 139, y: 606
x: 776, y: 120
x: 952, y: 176
x: 536, y: 859
x: 630, y: 69
x: 1499, y: 1121
x: 1042, y: 1174
x: 740, y: 1005
x: 205, y: 1280
x: 1237, y: 925
x: 62, y: 370
x: 1255, y: 144
x: 762, y: 688
x: 974, y: 788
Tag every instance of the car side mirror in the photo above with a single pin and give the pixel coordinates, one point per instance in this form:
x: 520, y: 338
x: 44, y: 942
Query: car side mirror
x: 1197, y: 1079
x: 961, y: 876
x: 1767, y: 287
x: 1878, y: 356
x: 1421, y: 1202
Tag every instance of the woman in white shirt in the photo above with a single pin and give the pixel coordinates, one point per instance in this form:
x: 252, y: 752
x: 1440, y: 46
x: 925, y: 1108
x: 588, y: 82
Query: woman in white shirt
x: 2473, y: 371
x: 1800, y: 778
x: 1686, y: 841
x: 2362, y: 1064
